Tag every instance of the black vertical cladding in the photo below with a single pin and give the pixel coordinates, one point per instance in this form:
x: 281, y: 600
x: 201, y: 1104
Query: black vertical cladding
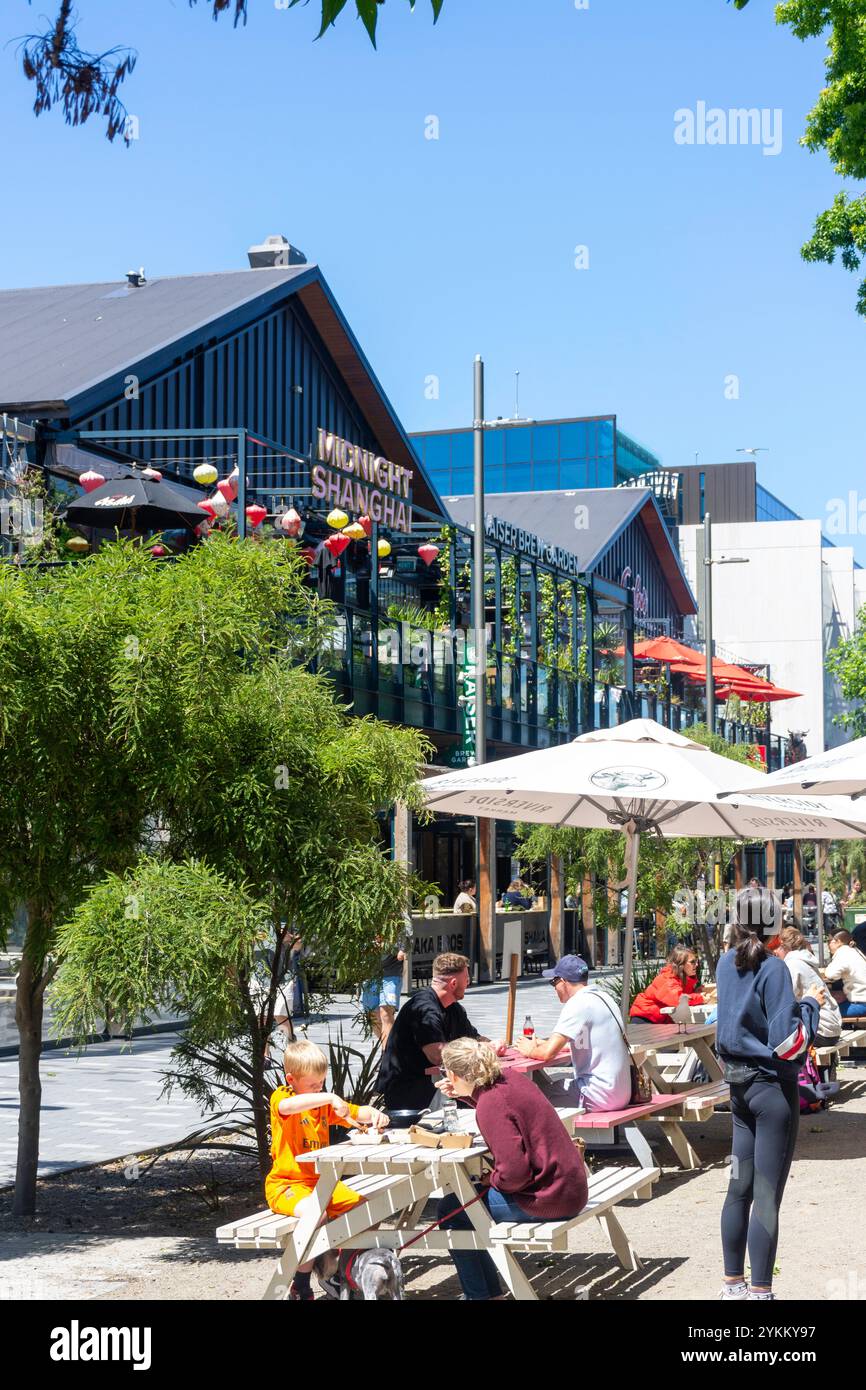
x: 632, y: 550
x: 274, y: 377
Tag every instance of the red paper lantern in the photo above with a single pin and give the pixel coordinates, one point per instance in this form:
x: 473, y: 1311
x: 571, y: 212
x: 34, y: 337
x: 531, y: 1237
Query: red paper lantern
x: 208, y: 509
x: 91, y: 480
x: 309, y: 554
x: 428, y: 553
x: 335, y: 545
x: 367, y: 523
x: 227, y: 489
x: 157, y: 550
x: 256, y: 514
x: 153, y: 475
x: 291, y: 522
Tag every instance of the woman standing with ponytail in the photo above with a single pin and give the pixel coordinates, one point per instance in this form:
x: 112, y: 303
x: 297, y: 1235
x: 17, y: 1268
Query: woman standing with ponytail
x: 762, y: 1037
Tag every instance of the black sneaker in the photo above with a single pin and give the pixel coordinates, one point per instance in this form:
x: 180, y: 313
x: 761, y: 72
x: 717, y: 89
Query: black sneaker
x: 332, y: 1287
x: 301, y: 1295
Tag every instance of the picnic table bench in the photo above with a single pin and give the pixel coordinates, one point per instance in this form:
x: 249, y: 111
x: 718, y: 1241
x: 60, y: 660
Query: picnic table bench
x: 831, y: 1055
x: 397, y: 1180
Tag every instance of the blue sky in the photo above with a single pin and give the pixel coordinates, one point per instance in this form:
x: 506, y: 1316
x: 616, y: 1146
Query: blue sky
x: 556, y: 130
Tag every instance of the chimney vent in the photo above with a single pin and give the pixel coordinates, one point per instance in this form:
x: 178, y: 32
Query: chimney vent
x: 275, y: 251
x: 136, y: 278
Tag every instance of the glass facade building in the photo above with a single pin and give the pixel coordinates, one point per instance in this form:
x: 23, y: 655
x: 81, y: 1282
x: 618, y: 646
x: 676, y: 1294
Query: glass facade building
x: 541, y: 456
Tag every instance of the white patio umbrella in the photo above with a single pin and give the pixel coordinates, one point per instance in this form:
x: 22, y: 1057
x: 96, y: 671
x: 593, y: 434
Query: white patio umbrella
x: 639, y: 777
x: 838, y: 772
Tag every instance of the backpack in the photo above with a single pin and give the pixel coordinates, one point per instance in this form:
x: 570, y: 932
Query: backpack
x: 814, y: 1093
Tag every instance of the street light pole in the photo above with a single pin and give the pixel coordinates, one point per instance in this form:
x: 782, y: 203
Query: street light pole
x: 708, y: 622
x: 478, y: 607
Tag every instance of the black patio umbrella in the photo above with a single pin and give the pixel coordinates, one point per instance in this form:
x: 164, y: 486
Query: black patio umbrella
x: 135, y: 504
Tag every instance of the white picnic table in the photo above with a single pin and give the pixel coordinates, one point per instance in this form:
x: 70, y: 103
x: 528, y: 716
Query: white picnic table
x: 397, y: 1179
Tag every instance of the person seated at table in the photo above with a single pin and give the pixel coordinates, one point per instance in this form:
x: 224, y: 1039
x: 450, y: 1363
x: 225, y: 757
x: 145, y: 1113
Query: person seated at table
x: 430, y: 1018
x: 589, y: 1027
x: 793, y: 948
x: 517, y: 895
x: 466, y: 900
x: 301, y: 1113
x: 847, y: 968
x: 678, y: 977
x: 538, y: 1171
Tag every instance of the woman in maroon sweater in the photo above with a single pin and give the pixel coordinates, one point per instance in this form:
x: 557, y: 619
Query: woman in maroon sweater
x: 538, y: 1173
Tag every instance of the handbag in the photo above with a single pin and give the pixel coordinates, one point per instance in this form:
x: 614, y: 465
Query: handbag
x: 641, y: 1088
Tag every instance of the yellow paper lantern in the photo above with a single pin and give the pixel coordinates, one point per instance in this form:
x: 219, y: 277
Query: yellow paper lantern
x: 337, y: 519
x: 383, y: 548
x: 77, y: 544
x: 356, y: 531
x: 205, y: 474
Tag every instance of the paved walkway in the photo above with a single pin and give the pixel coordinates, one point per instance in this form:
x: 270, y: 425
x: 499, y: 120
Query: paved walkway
x: 105, y: 1102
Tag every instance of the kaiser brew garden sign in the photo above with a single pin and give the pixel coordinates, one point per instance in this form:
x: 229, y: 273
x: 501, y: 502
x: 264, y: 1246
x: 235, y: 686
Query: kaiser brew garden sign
x: 358, y: 480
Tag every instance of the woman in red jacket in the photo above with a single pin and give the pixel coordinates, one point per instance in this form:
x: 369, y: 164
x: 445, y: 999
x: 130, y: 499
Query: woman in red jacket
x: 679, y: 977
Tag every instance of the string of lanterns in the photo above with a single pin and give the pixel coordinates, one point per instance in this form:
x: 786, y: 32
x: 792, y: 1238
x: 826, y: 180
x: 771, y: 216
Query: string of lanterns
x: 291, y: 523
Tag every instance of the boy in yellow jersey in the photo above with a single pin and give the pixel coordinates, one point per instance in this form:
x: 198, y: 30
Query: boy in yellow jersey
x: 301, y: 1113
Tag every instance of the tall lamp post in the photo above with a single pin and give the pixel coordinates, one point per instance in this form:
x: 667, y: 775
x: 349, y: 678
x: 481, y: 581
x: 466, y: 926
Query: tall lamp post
x: 486, y: 844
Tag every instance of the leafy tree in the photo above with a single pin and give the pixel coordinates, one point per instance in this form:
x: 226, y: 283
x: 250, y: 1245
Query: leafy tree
x: 88, y: 84
x: 837, y: 123
x: 72, y: 806
x: 847, y: 662
x: 172, y: 706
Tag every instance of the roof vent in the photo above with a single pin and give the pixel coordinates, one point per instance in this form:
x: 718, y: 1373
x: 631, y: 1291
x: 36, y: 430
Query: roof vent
x: 275, y: 251
x: 136, y: 278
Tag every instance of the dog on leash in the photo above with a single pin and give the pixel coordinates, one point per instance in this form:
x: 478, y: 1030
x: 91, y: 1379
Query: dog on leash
x: 374, y: 1275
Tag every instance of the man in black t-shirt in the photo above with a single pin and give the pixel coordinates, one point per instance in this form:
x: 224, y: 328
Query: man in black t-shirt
x: 428, y: 1020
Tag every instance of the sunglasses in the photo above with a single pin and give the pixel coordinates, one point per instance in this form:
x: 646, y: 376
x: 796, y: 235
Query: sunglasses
x: 557, y: 980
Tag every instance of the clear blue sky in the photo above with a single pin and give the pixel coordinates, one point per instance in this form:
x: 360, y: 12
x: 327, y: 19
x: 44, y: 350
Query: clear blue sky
x: 556, y: 130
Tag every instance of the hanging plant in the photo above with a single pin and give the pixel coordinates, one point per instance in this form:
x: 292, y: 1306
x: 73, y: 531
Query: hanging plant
x: 510, y: 613
x: 444, y: 603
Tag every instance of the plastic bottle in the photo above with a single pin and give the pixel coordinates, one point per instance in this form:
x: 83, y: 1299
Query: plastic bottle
x: 528, y: 1028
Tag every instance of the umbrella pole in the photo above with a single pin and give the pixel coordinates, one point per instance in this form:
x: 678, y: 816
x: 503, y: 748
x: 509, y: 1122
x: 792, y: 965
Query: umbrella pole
x: 819, y: 851
x: 632, y: 848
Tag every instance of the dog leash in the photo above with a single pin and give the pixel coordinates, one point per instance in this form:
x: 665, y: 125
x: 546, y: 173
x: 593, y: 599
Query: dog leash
x: 447, y: 1217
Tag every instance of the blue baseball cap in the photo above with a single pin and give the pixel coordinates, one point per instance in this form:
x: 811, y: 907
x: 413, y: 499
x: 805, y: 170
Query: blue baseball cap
x: 574, y: 969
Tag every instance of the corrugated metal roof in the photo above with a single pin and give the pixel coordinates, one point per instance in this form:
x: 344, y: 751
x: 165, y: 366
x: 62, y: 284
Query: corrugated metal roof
x: 552, y: 516
x: 59, y: 340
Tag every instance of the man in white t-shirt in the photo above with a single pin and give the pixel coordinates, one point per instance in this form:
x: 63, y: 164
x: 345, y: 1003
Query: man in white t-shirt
x: 589, y: 1025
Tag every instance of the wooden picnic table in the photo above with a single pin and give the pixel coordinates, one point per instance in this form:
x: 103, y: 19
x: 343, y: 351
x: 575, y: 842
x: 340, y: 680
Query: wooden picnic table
x: 647, y: 1040
x: 397, y: 1179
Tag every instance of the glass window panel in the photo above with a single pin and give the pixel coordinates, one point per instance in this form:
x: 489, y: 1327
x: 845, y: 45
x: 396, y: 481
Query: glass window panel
x: 573, y: 474
x: 545, y: 476
x: 437, y: 452
x: 461, y: 450
x: 605, y: 438
x: 461, y: 482
x: 494, y: 479
x: 518, y: 445
x: 518, y: 477
x: 545, y: 442
x: 494, y: 449
x: 572, y: 440
x: 604, y: 473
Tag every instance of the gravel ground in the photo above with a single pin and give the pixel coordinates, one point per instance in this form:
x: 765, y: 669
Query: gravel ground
x: 120, y: 1232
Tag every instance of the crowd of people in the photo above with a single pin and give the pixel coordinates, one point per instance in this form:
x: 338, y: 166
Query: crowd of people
x: 772, y: 1000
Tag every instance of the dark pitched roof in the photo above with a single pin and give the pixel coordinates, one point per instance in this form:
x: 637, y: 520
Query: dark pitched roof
x: 610, y: 510
x: 59, y: 342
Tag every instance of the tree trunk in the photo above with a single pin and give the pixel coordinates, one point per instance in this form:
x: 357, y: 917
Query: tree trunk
x: 29, y: 1000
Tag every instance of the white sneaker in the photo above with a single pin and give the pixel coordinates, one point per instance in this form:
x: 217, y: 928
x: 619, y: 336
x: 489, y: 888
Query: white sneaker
x: 738, y: 1291
x: 761, y: 1296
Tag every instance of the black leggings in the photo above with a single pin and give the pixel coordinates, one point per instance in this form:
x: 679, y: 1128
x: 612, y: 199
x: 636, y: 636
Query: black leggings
x: 766, y: 1119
